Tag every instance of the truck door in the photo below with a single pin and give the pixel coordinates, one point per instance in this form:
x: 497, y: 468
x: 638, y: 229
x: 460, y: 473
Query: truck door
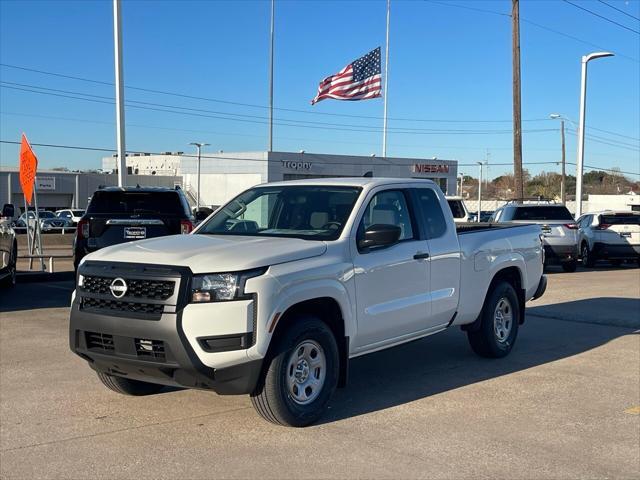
x: 444, y: 258
x: 392, y: 283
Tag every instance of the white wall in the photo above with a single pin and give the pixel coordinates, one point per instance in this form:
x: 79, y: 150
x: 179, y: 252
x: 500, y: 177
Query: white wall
x: 218, y: 188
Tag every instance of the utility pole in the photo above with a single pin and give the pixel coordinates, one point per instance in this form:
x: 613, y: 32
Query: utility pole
x: 563, y: 178
x: 117, y: 43
x: 517, y: 118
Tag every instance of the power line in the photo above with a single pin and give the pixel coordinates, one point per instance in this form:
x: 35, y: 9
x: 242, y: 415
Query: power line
x: 602, y: 17
x: 530, y: 22
x: 263, y: 120
x: 193, y: 97
x: 619, y: 10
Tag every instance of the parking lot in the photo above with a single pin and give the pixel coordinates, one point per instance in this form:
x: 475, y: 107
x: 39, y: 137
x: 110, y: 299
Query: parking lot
x: 564, y: 404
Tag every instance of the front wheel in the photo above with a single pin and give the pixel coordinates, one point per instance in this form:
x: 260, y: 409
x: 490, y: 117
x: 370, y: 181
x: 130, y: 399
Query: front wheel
x: 500, y: 318
x: 300, y: 376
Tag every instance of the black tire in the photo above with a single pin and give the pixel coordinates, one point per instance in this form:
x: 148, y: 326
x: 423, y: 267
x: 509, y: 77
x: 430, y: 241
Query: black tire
x: 127, y: 386
x: 570, y: 266
x: 485, y: 341
x: 9, y: 281
x: 588, y: 258
x: 272, y: 398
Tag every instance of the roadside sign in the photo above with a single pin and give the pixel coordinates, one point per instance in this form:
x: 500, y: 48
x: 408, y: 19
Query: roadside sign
x: 28, y: 168
x: 45, y: 183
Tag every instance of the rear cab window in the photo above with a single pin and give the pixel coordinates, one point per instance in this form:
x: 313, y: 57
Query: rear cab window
x: 542, y: 213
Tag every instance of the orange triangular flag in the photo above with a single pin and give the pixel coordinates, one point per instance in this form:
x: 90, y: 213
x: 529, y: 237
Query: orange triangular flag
x: 28, y: 168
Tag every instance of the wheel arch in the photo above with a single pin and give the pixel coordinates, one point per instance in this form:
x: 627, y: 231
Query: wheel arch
x: 328, y: 310
x: 515, y: 277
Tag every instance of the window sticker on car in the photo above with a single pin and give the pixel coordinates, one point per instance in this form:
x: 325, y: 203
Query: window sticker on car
x: 135, y: 233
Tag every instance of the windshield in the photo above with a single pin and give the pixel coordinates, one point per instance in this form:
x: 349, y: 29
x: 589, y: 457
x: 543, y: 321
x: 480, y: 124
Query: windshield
x: 307, y: 212
x: 542, y: 213
x: 46, y: 215
x: 162, y: 203
x: 77, y: 213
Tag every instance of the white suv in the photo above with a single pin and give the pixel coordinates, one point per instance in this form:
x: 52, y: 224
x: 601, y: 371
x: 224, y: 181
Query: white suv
x: 559, y: 229
x: 610, y: 235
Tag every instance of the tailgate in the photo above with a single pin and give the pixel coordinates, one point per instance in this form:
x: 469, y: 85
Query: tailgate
x: 104, y: 232
x: 619, y: 229
x: 559, y: 233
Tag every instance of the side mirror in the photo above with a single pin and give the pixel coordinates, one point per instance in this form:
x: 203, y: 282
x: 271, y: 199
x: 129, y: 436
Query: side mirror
x: 379, y: 235
x: 8, y: 210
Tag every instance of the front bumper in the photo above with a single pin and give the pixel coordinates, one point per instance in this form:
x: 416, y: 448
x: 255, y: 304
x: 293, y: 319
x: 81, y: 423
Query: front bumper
x: 168, y: 346
x: 560, y: 253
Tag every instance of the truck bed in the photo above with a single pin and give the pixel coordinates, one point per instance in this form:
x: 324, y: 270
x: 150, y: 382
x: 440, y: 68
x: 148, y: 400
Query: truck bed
x: 467, y: 227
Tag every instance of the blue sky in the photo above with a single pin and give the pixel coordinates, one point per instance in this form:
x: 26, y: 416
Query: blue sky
x: 450, y: 69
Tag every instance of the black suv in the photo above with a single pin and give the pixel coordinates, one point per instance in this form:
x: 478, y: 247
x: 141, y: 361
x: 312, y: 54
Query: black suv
x: 124, y: 214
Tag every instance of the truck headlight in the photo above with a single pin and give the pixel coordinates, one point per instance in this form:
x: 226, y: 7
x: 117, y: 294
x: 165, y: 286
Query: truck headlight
x: 221, y: 287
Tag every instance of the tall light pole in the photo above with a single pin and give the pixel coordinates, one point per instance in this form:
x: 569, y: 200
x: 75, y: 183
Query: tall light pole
x: 461, y: 183
x: 479, y: 192
x: 271, y: 52
x: 583, y: 104
x: 117, y: 44
x: 199, y: 146
x: 563, y: 178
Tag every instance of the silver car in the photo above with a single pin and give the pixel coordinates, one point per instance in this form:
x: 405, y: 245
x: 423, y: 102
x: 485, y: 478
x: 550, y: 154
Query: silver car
x: 48, y: 221
x: 609, y: 235
x: 559, y: 229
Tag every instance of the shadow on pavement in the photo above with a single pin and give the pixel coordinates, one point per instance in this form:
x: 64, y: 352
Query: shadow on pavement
x: 446, y: 362
x: 31, y: 294
x: 613, y: 311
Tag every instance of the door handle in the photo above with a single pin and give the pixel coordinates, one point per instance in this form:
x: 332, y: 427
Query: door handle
x: 420, y: 255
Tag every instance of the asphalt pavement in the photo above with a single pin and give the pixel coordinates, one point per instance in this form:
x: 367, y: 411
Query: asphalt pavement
x: 564, y: 404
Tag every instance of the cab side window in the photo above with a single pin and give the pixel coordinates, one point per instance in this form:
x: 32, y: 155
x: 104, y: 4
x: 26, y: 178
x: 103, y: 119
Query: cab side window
x: 389, y: 208
x: 432, y: 214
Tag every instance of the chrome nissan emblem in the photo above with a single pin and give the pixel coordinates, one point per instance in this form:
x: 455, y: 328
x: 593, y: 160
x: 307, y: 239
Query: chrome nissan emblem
x: 118, y: 287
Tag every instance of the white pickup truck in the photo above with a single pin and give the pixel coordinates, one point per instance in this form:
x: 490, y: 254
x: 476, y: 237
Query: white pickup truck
x: 276, y: 291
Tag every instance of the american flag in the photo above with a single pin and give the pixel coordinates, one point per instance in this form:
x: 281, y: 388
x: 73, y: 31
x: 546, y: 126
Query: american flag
x: 360, y: 80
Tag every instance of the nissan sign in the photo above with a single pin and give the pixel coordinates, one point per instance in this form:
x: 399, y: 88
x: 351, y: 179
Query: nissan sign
x: 429, y: 168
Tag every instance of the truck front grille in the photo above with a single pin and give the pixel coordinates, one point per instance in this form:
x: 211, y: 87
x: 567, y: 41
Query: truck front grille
x: 136, y: 288
x: 120, y: 306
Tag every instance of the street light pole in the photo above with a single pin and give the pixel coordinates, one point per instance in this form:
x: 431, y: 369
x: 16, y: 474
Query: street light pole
x: 581, y: 125
x: 461, y: 182
x: 199, y: 146
x: 120, y: 140
x: 479, y: 192
x: 563, y: 182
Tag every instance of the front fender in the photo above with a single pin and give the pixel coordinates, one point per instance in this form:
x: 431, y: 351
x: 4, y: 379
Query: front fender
x: 292, y: 294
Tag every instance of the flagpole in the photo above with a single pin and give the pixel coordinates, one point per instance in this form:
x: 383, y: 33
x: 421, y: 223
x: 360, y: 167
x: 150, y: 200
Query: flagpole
x: 271, y: 78
x: 386, y: 84
x: 120, y: 125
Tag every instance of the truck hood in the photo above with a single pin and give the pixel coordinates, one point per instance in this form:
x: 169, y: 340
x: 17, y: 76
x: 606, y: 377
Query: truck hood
x: 212, y: 253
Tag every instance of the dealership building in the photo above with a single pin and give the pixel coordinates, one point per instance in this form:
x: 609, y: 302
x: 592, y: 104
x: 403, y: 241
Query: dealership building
x: 226, y: 174
x: 60, y: 190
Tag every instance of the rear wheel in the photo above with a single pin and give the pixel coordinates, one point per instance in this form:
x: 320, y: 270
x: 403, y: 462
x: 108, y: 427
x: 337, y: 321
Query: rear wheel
x: 570, y: 266
x: 127, y: 386
x: 500, y: 319
x: 301, y: 375
x: 588, y: 258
